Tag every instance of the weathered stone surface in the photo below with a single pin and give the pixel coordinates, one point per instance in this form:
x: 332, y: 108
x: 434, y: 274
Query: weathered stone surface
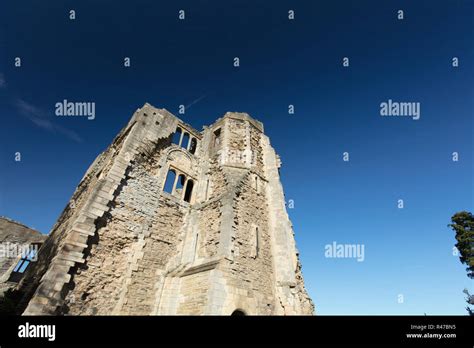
x: 220, y: 241
x: 13, y: 237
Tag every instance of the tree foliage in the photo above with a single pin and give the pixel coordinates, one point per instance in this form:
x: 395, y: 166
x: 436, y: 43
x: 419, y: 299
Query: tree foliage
x: 463, y: 225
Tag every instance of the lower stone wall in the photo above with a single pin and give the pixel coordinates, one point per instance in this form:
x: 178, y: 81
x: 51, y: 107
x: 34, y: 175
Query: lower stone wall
x: 251, y: 273
x: 133, y: 244
x: 159, y: 247
x: 193, y: 297
x: 307, y: 306
x: 97, y: 284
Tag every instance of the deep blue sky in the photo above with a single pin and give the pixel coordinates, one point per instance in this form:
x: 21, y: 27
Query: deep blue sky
x: 283, y: 62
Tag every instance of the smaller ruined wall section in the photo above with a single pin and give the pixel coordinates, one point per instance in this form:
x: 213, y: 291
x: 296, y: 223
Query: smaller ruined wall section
x: 244, y: 277
x: 193, y: 294
x: 209, y: 230
x: 236, y: 133
x: 162, y: 239
x: 212, y: 185
x: 14, y: 236
x: 70, y: 213
x: 306, y: 304
x: 291, y: 295
x: 212, y: 181
x: 257, y: 152
x: 251, y: 271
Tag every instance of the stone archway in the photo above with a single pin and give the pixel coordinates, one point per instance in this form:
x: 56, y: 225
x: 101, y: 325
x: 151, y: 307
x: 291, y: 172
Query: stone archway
x: 238, y: 312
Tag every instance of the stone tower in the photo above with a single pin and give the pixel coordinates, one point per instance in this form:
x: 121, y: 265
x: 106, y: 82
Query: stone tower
x: 170, y: 220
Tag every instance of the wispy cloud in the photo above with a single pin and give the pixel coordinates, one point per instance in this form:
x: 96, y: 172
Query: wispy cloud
x: 196, y: 101
x: 39, y: 119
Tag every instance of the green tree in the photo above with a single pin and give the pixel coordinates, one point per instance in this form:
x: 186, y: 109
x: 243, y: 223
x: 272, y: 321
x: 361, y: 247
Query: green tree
x: 463, y: 225
x: 469, y: 300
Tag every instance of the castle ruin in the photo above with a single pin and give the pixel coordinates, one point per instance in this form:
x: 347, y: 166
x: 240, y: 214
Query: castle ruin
x: 172, y: 221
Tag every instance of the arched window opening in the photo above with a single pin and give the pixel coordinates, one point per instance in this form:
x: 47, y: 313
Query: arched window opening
x: 184, y: 143
x: 238, y: 312
x: 169, y: 181
x: 180, y: 185
x: 192, y: 147
x: 177, y: 136
x: 217, y: 137
x: 189, y: 191
x: 256, y: 183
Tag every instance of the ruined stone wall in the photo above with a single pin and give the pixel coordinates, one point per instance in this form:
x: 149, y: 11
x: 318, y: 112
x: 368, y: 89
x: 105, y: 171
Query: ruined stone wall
x: 252, y: 270
x: 56, y: 237
x: 257, y: 152
x: 209, y: 230
x: 214, y: 185
x: 291, y: 296
x: 307, y: 306
x: 217, y: 179
x: 140, y: 234
x: 128, y: 247
x: 70, y: 249
x: 161, y: 243
x: 194, y: 293
x: 97, y: 284
x: 108, y: 254
x: 14, y: 236
x: 244, y: 278
x: 237, y: 135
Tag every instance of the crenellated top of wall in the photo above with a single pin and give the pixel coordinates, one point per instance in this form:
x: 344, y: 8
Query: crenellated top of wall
x: 242, y: 116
